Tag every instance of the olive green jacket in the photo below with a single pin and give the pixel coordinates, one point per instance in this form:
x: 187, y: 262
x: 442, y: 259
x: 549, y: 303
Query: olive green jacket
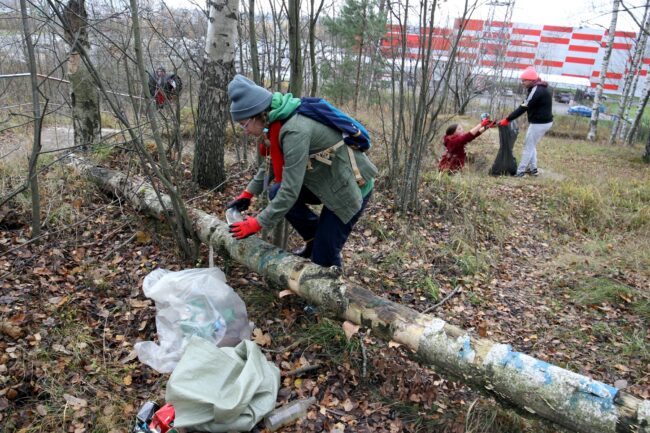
x: 334, y: 185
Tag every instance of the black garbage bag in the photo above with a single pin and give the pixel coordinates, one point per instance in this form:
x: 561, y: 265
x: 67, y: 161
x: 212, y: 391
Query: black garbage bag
x: 505, y: 162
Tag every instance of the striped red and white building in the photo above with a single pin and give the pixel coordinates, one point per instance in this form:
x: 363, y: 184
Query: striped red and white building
x: 554, y: 50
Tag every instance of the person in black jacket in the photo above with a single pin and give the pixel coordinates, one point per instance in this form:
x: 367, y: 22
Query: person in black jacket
x: 539, y: 107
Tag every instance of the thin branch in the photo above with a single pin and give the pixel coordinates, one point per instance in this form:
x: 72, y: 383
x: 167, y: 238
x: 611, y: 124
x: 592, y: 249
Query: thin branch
x: 445, y: 299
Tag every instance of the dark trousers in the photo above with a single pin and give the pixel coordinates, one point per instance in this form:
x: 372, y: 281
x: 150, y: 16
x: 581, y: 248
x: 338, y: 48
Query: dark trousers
x: 328, y: 232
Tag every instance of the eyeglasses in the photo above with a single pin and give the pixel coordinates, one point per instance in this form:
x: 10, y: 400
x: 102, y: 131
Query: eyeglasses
x: 245, y: 125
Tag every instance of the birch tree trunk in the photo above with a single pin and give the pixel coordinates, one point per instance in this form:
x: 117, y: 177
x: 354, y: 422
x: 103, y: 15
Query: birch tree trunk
x: 214, y: 117
x: 635, y: 69
x: 552, y: 393
x: 38, y: 120
x: 83, y: 92
x: 643, y: 101
x: 593, y: 123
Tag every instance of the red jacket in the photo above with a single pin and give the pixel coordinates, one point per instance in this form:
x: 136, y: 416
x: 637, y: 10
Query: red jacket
x: 454, y: 158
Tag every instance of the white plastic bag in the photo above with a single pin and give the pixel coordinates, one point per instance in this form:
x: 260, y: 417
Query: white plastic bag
x: 191, y: 302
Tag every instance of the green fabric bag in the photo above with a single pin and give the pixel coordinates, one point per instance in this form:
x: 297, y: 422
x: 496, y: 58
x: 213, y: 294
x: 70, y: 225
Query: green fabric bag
x: 221, y: 389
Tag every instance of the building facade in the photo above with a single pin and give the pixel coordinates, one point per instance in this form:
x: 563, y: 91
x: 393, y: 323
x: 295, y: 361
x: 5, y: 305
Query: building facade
x: 553, y: 50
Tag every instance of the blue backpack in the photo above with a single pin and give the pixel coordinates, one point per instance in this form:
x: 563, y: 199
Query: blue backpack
x: 318, y: 109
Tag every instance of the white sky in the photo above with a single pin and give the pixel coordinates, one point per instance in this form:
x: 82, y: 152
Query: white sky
x: 573, y: 13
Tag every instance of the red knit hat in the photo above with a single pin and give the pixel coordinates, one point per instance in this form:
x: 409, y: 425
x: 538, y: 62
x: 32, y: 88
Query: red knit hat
x: 529, y: 74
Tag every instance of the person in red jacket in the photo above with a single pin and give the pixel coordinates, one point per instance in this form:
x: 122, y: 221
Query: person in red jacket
x: 455, y: 140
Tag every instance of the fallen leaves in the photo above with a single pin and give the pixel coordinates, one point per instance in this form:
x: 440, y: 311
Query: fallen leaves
x: 261, y: 338
x: 75, y: 402
x: 350, y: 329
x: 10, y: 330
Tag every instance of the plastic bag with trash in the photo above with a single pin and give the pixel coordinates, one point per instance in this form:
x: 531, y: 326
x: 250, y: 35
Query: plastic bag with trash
x: 191, y: 302
x: 505, y: 163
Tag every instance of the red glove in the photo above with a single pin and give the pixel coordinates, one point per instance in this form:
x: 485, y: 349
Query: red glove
x: 485, y: 123
x: 504, y: 122
x: 243, y: 229
x: 242, y: 201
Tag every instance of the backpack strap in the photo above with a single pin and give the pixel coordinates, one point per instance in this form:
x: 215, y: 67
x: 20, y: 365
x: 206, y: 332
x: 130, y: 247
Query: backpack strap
x: 530, y: 96
x: 355, y: 168
x: 325, y: 156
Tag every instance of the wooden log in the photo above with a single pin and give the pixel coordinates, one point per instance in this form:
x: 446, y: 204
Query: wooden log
x: 560, y: 396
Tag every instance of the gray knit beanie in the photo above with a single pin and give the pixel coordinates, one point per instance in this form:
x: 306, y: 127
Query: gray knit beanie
x: 248, y: 99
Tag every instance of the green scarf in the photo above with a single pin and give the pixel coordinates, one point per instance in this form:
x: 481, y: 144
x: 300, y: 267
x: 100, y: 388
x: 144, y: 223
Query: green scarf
x: 282, y: 106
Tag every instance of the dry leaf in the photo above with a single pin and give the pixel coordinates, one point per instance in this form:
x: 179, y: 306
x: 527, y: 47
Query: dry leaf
x: 284, y: 293
x: 392, y: 343
x: 130, y: 357
x: 128, y: 380
x: 76, y: 203
x: 620, y: 384
x: 142, y: 237
x: 137, y: 303
x: 482, y: 329
x: 348, y: 405
x: 41, y: 410
x: 10, y: 330
x: 350, y: 329
x: 60, y: 348
x: 75, y: 402
x: 261, y: 338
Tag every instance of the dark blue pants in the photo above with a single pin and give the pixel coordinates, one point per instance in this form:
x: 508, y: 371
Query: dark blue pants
x: 328, y: 232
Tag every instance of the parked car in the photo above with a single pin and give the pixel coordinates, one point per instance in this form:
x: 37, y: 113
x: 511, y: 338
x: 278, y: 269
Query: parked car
x: 563, y: 97
x: 584, y: 111
x: 591, y: 94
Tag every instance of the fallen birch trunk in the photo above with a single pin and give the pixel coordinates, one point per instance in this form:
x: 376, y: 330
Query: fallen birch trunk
x: 553, y: 393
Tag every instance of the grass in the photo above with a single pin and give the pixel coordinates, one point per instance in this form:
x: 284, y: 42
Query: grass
x: 485, y: 416
x: 601, y: 290
x: 330, y: 336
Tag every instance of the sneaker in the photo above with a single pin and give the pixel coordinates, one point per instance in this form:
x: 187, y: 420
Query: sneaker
x: 532, y: 172
x: 522, y: 174
x: 305, y: 251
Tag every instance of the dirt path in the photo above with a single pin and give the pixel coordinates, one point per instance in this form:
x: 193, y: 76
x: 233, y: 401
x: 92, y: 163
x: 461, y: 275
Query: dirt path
x: 53, y: 138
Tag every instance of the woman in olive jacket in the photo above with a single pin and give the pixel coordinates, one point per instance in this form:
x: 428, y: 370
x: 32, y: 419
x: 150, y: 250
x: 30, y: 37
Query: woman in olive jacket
x: 308, y: 164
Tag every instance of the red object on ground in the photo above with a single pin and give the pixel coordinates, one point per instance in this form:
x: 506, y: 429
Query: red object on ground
x: 163, y: 419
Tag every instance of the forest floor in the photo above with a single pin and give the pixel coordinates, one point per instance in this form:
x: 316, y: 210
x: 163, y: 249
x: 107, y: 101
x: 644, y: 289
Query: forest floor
x: 557, y: 266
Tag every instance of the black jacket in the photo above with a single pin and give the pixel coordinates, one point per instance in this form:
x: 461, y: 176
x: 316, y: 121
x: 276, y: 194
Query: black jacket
x: 539, y: 105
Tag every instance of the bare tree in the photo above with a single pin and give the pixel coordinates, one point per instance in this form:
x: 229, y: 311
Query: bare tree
x: 418, y: 96
x: 643, y: 101
x: 314, y: 12
x: 252, y: 29
x: 83, y: 92
x: 636, y: 65
x: 593, y: 123
x: 218, y: 69
x: 295, y: 54
x: 38, y: 119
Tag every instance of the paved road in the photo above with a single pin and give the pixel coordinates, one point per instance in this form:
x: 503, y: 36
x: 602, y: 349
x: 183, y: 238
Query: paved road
x: 513, y: 101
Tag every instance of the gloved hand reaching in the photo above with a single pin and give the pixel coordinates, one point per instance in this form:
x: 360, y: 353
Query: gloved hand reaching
x: 242, y: 201
x: 243, y: 229
x: 485, y: 123
x: 504, y: 122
